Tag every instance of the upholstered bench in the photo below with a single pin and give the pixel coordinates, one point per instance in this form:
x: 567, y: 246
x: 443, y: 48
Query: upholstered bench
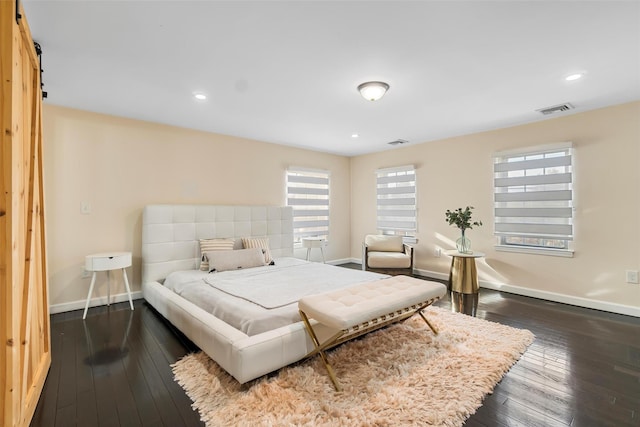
x: 362, y: 308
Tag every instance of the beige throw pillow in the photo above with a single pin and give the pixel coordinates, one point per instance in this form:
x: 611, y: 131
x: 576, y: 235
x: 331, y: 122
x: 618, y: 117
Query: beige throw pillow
x: 258, y: 242
x: 208, y: 245
x: 235, y: 260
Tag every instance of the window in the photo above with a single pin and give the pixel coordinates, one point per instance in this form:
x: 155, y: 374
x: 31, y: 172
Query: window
x: 396, y: 201
x: 308, y: 194
x: 534, y: 199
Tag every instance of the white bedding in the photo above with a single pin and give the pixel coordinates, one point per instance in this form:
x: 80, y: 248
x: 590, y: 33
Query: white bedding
x: 242, y: 298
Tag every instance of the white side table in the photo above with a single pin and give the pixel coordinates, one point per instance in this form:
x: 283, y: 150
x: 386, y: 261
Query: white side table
x: 314, y: 242
x: 106, y: 262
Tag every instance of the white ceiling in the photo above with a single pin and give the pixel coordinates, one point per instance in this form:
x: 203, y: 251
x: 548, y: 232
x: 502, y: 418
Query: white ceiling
x: 286, y: 71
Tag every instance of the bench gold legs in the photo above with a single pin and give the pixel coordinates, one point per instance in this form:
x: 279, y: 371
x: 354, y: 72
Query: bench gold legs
x: 353, y: 332
x: 435, y: 331
x: 321, y: 347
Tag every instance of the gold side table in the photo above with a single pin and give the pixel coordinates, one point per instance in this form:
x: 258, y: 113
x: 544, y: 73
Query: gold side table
x: 463, y: 276
x: 463, y: 282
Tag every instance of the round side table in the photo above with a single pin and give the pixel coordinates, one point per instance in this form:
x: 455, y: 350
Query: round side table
x: 314, y: 242
x: 463, y: 282
x: 106, y: 262
x: 463, y: 276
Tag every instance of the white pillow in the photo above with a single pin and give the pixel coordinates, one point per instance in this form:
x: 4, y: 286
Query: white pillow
x: 234, y: 260
x: 207, y: 245
x: 258, y: 242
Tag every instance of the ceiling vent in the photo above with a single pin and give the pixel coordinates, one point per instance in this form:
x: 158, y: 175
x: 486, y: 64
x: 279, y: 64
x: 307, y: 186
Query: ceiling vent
x: 556, y: 109
x: 398, y: 142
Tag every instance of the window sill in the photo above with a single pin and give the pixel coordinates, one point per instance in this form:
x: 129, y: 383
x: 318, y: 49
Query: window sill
x: 535, y: 251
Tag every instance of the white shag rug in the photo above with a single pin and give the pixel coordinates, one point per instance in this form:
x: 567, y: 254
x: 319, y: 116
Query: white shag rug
x: 401, y: 375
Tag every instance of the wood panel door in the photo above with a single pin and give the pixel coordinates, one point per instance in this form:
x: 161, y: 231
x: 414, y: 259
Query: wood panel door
x: 24, y: 309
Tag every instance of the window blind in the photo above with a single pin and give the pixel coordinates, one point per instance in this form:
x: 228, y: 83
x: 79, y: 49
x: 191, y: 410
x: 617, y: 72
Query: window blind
x: 396, y: 200
x: 533, y: 196
x: 308, y: 194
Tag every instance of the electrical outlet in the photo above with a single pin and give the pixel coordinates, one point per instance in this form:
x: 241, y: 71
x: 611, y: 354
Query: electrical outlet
x: 632, y: 276
x: 85, y: 208
x: 438, y: 253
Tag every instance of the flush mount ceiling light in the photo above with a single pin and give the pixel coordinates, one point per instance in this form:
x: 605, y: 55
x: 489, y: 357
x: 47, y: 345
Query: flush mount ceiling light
x: 573, y: 77
x: 200, y: 96
x: 373, y: 91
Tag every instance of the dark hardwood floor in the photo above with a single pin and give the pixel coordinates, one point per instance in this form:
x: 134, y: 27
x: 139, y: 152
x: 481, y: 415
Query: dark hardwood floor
x: 113, y: 369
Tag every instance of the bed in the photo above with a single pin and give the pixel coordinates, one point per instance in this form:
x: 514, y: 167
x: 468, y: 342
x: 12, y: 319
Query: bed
x: 170, y: 248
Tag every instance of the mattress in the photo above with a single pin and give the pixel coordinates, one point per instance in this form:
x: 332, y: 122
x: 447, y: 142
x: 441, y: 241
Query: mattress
x: 262, y: 299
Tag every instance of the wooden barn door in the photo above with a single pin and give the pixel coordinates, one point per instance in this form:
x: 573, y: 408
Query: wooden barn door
x: 24, y: 310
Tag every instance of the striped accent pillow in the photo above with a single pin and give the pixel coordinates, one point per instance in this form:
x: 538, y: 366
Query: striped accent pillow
x: 207, y: 245
x: 258, y: 242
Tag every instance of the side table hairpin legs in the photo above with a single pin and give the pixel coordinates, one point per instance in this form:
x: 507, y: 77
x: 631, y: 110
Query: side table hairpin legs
x: 107, y: 262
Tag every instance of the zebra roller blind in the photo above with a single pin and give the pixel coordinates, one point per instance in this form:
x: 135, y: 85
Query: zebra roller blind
x: 396, y: 200
x: 308, y: 194
x: 533, y: 194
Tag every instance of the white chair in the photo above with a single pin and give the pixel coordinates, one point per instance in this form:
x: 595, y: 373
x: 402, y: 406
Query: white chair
x: 387, y: 254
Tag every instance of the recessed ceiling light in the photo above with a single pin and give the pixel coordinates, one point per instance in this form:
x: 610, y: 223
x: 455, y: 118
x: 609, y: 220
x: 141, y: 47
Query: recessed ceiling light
x: 354, y: 135
x: 572, y: 77
x: 200, y: 96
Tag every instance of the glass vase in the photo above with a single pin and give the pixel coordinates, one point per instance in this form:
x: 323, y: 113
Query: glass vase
x: 463, y: 244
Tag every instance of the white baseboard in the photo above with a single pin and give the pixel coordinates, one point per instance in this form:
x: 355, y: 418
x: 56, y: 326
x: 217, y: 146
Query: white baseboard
x: 546, y: 295
x: 434, y: 274
x: 534, y: 293
x: 79, y: 305
x: 565, y: 299
x: 513, y: 289
x: 340, y: 261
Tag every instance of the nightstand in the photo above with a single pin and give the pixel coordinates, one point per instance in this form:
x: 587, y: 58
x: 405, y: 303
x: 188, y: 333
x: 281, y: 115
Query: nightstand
x: 314, y: 242
x: 106, y: 262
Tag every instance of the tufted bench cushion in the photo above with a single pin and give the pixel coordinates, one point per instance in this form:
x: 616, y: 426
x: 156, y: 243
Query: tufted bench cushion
x: 348, y: 307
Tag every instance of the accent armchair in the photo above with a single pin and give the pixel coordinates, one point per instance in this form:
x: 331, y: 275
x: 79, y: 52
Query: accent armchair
x: 387, y: 254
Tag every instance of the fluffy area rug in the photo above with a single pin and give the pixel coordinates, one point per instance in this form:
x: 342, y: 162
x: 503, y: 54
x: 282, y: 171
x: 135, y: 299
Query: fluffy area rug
x: 401, y: 375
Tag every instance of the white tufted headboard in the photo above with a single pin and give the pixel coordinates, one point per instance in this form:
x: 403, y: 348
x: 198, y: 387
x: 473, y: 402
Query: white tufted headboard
x: 171, y: 233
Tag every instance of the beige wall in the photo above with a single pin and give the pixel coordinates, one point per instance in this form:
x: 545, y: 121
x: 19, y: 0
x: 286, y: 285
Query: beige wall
x: 457, y: 172
x: 119, y: 166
